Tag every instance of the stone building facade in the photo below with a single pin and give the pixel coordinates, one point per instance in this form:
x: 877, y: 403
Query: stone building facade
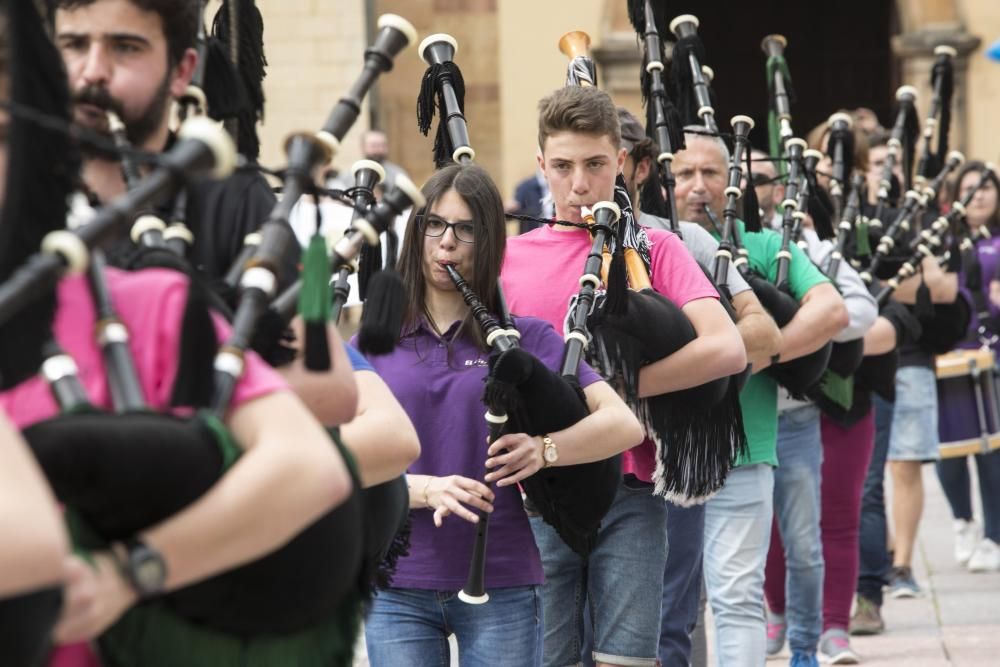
x: 508, y: 55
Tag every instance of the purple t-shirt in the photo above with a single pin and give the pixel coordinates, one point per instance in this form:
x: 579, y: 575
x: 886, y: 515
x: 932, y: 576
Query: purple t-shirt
x: 441, y: 393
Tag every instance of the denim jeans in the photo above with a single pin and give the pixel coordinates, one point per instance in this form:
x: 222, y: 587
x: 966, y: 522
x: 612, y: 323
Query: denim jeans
x: 914, y: 435
x: 621, y: 581
x: 873, y: 569
x: 797, y: 508
x: 408, y: 626
x: 955, y: 480
x: 737, y: 535
x: 682, y: 583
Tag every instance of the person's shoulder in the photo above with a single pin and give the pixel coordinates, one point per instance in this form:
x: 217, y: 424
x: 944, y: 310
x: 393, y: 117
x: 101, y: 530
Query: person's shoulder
x: 527, y: 239
x: 530, y: 325
x: 536, y: 333
x: 240, y: 184
x: 149, y: 282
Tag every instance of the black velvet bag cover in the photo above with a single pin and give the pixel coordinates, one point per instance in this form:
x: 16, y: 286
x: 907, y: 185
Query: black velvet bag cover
x: 572, y: 499
x: 698, y: 432
x: 948, y: 327
x: 25, y: 624
x: 121, y: 474
x: 797, y: 375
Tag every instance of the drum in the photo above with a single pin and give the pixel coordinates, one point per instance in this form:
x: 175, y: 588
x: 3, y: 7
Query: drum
x: 968, y: 405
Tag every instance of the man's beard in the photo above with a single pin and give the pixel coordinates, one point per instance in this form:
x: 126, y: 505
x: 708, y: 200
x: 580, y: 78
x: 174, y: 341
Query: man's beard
x: 138, y: 129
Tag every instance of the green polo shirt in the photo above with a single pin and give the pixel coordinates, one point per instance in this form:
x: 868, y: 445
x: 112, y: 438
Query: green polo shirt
x: 759, y: 398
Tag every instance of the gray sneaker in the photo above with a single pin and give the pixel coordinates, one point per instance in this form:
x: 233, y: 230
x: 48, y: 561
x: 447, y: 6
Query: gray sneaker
x: 776, y: 630
x: 867, y: 619
x: 902, y: 584
x: 835, y: 648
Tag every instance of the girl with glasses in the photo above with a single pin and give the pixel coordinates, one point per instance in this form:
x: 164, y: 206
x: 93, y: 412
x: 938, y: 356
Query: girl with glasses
x: 437, y: 372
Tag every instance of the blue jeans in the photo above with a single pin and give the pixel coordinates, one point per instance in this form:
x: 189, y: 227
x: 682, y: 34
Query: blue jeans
x: 873, y: 568
x: 622, y: 581
x: 954, y: 476
x: 408, y: 626
x: 682, y: 586
x: 797, y: 507
x: 682, y: 583
x: 737, y: 536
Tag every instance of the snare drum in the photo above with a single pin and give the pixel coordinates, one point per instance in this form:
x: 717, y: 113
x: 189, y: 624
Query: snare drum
x: 968, y: 406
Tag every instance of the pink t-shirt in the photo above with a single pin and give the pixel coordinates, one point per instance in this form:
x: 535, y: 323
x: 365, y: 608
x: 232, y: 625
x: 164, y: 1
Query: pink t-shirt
x: 541, y: 272
x: 151, y: 303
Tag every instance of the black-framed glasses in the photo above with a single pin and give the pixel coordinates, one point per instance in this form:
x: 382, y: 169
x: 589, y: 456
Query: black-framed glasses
x: 432, y: 225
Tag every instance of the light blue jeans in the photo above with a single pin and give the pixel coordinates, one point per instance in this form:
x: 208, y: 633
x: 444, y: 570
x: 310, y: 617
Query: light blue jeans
x: 797, y: 507
x: 408, y: 626
x: 737, y: 536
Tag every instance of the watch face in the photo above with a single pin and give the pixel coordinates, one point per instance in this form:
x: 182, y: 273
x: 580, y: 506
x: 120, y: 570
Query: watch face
x: 149, y: 573
x: 551, y: 455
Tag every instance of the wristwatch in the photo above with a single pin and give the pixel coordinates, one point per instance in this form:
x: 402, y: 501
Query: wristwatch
x: 550, y: 453
x: 142, y: 566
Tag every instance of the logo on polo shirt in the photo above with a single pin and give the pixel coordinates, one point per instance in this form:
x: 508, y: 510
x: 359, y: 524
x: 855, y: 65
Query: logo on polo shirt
x: 479, y: 361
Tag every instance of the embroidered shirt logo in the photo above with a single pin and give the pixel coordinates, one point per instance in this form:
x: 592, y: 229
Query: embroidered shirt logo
x: 476, y: 362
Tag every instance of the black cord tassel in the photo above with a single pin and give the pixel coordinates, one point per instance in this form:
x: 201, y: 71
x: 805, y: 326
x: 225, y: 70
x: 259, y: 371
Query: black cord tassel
x: 382, y: 317
x: 369, y: 264
x: 225, y: 95
x: 251, y: 68
x: 430, y: 88
x: 651, y: 198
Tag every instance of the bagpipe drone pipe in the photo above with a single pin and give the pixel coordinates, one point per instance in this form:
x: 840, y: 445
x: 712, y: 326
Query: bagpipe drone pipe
x: 572, y: 499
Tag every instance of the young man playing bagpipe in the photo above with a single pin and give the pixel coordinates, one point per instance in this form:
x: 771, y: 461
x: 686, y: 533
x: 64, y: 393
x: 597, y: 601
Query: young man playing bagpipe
x: 581, y: 155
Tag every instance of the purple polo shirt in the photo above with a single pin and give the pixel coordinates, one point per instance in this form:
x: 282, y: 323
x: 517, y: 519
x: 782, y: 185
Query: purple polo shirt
x: 441, y: 393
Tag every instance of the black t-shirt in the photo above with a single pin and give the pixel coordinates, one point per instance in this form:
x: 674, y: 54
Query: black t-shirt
x: 220, y: 214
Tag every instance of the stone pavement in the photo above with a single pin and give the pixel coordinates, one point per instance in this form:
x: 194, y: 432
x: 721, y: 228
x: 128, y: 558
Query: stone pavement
x: 957, y: 621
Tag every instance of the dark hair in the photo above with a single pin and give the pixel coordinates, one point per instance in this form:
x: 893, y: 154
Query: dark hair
x: 879, y: 138
x: 481, y: 195
x: 179, y: 19
x: 822, y: 131
x: 581, y: 110
x: 993, y: 223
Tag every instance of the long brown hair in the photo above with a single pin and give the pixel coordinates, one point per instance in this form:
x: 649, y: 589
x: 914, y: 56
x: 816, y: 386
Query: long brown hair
x: 993, y: 222
x: 481, y: 195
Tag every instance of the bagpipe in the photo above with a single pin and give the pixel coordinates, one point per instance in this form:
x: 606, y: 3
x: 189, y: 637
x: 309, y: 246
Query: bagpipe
x: 522, y: 395
x: 698, y: 431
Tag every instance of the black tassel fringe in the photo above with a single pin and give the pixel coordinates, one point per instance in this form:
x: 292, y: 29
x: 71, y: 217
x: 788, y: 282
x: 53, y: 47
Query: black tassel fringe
x: 382, y: 317
x: 430, y: 89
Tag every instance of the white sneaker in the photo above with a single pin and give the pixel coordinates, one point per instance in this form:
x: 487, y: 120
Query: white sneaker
x: 986, y: 557
x: 966, y: 539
